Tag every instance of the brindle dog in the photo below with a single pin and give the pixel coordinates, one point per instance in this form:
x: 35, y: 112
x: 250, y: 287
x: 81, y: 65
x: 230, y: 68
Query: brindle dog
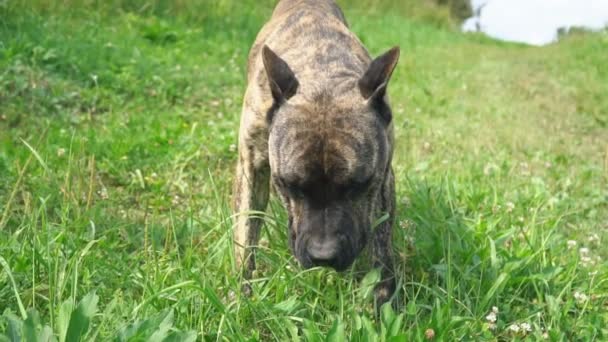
x: 316, y: 122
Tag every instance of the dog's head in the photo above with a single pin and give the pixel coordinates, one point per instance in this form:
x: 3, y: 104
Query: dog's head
x: 329, y: 157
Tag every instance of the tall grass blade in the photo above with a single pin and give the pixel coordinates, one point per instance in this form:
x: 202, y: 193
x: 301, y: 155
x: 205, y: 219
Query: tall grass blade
x: 36, y: 155
x: 7, y: 269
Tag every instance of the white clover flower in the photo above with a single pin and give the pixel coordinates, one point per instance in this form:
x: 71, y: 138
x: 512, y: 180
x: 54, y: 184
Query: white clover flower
x: 60, y: 152
x: 580, y: 297
x: 514, y: 328
x: 584, y: 251
x: 523, y: 328
x: 492, y: 317
x: 594, y: 238
x: 510, y: 206
x: 490, y: 168
x: 103, y: 193
x: 526, y: 327
x: 405, y: 224
x: 586, y: 261
x: 571, y: 244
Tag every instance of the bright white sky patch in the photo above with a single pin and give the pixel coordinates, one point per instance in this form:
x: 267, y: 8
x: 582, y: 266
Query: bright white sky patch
x: 535, y: 21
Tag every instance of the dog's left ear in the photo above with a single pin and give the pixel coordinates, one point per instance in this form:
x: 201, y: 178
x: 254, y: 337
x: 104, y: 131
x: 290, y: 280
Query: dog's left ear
x: 283, y: 82
x: 375, y: 80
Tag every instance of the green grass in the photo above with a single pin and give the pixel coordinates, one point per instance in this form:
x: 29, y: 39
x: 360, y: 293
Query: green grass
x: 117, y: 129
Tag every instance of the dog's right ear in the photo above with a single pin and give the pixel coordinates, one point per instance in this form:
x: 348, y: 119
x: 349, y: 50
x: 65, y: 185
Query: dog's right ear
x: 283, y: 82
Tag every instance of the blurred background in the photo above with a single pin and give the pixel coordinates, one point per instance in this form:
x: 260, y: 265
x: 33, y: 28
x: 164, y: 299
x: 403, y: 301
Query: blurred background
x: 535, y: 22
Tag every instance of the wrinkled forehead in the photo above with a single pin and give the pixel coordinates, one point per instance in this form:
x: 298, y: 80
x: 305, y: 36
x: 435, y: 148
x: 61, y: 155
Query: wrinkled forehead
x: 339, y: 147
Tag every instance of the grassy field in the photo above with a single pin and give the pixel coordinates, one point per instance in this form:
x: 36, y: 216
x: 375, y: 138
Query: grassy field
x: 118, y: 126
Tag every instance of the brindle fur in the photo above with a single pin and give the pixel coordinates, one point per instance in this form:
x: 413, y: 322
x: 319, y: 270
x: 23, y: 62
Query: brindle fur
x: 316, y: 122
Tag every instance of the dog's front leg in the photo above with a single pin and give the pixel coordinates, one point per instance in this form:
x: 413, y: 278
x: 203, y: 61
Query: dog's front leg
x: 251, y: 187
x: 382, y: 243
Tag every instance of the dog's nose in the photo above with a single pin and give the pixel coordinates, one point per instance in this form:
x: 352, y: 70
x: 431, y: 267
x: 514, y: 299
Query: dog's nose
x: 322, y: 251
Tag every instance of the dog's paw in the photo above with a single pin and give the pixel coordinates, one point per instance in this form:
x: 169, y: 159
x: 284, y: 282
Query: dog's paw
x: 383, y: 292
x: 246, y: 290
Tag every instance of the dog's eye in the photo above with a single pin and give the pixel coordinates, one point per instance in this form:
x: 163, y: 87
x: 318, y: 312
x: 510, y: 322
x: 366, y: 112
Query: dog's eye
x: 358, y: 186
x: 293, y: 188
x: 282, y: 182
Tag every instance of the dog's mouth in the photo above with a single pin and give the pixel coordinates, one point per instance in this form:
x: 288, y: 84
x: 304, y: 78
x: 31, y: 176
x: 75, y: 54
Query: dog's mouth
x: 338, y: 264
